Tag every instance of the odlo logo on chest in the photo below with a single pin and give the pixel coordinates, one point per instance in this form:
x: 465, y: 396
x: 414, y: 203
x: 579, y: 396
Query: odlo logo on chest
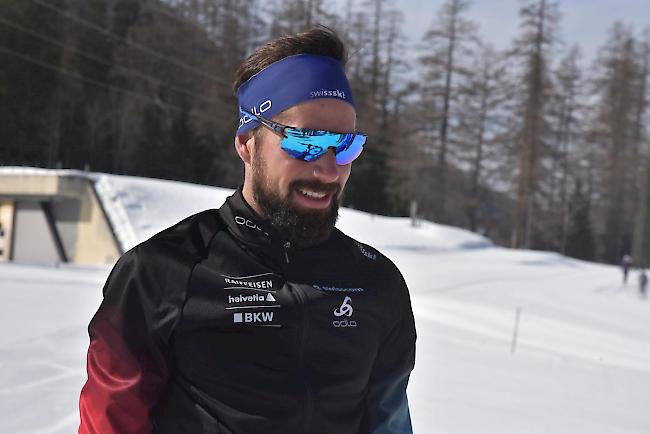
x: 345, y: 309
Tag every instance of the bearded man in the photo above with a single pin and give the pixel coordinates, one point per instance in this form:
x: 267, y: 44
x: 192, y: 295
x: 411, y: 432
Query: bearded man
x: 261, y: 317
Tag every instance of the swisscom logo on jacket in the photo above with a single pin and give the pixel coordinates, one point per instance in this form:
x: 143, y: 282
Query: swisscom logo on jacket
x: 217, y: 325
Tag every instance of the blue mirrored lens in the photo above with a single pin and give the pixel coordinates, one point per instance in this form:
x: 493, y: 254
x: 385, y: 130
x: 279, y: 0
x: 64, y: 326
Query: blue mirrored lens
x: 352, y: 151
x: 309, y: 145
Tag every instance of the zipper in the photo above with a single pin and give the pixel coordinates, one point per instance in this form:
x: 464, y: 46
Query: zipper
x: 287, y: 246
x: 301, y: 359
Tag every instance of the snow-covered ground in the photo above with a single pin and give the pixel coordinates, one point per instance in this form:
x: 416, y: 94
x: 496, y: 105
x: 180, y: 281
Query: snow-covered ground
x: 581, y: 365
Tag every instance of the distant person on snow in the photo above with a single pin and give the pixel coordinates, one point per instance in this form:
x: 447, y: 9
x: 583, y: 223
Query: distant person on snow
x: 643, y: 283
x: 626, y: 261
x: 261, y: 317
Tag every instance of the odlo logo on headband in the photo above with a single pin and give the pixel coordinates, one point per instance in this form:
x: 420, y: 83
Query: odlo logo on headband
x: 264, y: 107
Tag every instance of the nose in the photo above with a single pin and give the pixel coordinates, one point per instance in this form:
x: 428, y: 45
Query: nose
x: 325, y: 168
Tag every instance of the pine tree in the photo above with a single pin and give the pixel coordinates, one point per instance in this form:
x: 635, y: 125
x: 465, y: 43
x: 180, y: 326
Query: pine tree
x: 538, y: 22
x: 613, y: 132
x: 564, y: 111
x: 374, y: 77
x: 444, y: 43
x: 29, y: 79
x: 641, y: 244
x: 580, y: 239
x: 480, y: 128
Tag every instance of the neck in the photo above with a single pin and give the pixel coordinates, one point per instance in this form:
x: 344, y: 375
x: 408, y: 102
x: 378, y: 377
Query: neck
x: 247, y: 192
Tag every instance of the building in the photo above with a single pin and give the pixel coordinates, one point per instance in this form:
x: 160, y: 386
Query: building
x: 53, y: 216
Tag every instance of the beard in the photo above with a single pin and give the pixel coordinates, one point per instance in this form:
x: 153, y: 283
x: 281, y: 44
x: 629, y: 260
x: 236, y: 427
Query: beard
x: 303, y: 228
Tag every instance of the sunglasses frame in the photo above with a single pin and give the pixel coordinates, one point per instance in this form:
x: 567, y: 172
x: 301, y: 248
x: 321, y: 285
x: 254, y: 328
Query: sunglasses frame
x: 280, y: 129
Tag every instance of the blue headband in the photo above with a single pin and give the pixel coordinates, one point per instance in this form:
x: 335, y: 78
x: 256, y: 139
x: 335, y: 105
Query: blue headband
x: 291, y: 81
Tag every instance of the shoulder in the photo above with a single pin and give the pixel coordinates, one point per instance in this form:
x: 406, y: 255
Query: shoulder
x: 191, y: 237
x: 369, y: 258
x: 168, y: 257
x: 383, y: 276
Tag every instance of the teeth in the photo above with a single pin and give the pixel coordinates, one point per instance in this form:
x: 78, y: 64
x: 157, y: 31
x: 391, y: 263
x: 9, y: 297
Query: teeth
x: 313, y: 194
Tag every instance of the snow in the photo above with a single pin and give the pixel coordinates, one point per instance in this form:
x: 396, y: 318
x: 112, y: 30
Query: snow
x: 139, y: 208
x: 581, y: 364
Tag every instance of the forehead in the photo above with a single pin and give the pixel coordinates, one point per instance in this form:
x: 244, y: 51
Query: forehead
x: 321, y: 114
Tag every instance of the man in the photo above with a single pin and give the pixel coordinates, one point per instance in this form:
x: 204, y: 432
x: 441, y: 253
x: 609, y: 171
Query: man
x: 626, y: 261
x: 261, y: 317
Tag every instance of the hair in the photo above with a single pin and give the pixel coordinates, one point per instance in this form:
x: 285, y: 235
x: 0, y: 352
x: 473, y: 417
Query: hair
x: 320, y: 41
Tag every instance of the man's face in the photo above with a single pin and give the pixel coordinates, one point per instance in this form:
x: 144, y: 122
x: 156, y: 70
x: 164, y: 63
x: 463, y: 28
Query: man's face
x: 301, y: 198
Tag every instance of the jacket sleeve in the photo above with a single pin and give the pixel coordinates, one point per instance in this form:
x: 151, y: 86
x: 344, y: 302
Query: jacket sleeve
x: 387, y: 410
x: 129, y: 355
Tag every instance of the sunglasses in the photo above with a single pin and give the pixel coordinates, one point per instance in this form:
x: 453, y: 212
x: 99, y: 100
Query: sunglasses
x: 308, y: 145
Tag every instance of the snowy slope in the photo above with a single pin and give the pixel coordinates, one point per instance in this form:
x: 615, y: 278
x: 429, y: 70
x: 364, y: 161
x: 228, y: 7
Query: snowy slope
x: 582, y: 364
x: 141, y: 207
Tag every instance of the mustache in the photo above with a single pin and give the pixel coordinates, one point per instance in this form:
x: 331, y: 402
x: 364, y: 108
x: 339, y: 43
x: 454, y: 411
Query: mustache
x: 317, y: 186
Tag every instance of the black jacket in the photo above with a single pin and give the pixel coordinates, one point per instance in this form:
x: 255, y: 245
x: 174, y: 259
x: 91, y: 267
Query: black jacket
x: 217, y: 325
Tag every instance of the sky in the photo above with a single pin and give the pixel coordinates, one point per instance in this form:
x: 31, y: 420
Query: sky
x: 585, y: 22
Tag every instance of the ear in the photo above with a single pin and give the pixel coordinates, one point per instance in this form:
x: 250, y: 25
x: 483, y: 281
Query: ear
x: 244, y: 144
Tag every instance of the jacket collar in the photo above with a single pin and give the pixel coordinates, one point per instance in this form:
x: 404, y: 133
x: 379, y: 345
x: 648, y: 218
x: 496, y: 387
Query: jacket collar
x: 247, y: 226
x: 260, y: 236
